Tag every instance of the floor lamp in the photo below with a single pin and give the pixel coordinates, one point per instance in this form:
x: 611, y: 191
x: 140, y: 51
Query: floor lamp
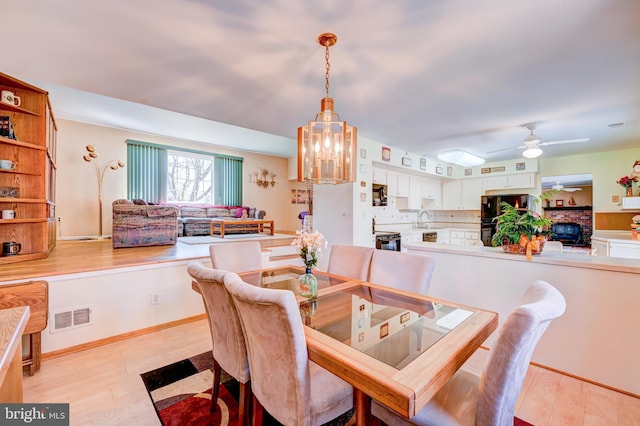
x: 92, y: 156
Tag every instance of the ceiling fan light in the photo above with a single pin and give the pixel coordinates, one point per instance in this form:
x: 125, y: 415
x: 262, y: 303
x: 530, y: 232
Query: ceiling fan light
x: 532, y: 152
x: 461, y: 158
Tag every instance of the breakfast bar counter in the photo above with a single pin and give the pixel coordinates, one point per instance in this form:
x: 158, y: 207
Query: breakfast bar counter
x: 596, y: 338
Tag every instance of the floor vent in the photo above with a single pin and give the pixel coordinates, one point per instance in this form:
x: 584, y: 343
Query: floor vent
x: 67, y: 320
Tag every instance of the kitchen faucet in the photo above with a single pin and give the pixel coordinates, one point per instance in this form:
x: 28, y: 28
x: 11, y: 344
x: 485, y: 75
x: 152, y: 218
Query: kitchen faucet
x: 420, y: 221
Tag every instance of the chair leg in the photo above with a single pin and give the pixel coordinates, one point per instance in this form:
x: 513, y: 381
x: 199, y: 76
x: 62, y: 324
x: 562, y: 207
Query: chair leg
x: 244, y: 404
x: 258, y: 411
x: 215, y: 388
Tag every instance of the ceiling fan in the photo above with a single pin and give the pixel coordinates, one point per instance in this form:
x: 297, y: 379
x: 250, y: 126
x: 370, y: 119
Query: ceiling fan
x: 532, y: 143
x: 559, y: 187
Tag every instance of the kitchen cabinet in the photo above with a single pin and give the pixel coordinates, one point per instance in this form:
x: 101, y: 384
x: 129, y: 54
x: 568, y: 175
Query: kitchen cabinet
x: 379, y: 176
x: 431, y: 194
x: 463, y: 238
x: 402, y: 186
x: 392, y: 183
x: 462, y: 194
x: 616, y: 244
x: 415, y: 192
x: 29, y: 187
x: 521, y: 180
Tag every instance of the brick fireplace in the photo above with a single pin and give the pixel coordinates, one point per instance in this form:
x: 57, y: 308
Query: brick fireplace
x: 580, y: 215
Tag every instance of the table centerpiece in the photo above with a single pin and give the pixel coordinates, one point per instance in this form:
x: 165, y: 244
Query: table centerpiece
x: 310, y: 246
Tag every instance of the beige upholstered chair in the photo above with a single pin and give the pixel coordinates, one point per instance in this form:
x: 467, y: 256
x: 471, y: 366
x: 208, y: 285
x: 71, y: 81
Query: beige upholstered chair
x: 490, y: 400
x: 292, y: 389
x: 229, y: 351
x: 350, y: 261
x: 553, y: 246
x: 236, y: 257
x: 411, y: 272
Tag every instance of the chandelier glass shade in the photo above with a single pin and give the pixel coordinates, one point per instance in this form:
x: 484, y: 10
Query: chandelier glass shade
x: 327, y: 145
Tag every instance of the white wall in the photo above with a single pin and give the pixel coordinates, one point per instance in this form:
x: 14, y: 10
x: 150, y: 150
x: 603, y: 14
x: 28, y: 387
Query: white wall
x: 77, y: 185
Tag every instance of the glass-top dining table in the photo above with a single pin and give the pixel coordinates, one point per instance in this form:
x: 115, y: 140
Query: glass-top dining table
x: 394, y: 346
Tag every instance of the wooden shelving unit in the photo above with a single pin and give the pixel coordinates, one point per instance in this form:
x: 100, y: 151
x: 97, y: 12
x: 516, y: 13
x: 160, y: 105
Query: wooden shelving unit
x: 34, y: 153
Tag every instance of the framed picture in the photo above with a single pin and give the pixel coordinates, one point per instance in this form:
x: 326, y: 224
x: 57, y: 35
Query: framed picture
x: 423, y: 164
x: 559, y: 203
x: 406, y: 161
x: 468, y: 172
x: 404, y: 317
x: 386, y: 154
x: 363, y: 153
x: 449, y: 170
x: 521, y: 166
x: 384, y: 330
x: 439, y: 170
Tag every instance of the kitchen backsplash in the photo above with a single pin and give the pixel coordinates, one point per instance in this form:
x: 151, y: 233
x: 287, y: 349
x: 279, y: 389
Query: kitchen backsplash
x: 439, y: 218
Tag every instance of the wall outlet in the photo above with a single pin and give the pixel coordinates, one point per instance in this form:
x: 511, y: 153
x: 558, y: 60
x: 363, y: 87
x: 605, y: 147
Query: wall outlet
x: 155, y: 299
x: 615, y: 198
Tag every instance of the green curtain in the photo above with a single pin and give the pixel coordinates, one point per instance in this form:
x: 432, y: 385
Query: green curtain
x: 227, y: 181
x: 146, y: 172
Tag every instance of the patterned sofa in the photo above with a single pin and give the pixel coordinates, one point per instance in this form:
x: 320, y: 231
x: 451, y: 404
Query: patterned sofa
x: 196, y: 220
x: 137, y: 225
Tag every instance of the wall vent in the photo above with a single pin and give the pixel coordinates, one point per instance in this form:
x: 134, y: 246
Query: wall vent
x: 67, y: 320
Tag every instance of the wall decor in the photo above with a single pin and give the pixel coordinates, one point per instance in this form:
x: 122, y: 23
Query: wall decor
x: 449, y: 170
x: 406, y: 161
x: 386, y: 154
x: 521, y: 166
x: 468, y: 172
x: 363, y: 153
x: 299, y: 196
x: 486, y: 170
x: 263, y: 178
x: 439, y: 169
x: 559, y: 203
x: 423, y: 164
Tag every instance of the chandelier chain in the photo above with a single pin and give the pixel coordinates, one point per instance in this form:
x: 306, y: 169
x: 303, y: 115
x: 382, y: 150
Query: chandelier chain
x: 327, y: 68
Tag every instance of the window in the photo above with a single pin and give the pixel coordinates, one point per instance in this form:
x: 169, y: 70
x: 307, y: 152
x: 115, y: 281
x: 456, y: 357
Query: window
x: 189, y: 178
x: 159, y: 174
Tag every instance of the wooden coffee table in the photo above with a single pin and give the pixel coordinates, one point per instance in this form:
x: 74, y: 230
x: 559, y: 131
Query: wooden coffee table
x: 217, y: 226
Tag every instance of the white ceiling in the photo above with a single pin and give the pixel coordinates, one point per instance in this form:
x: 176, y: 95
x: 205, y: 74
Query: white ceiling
x: 421, y: 75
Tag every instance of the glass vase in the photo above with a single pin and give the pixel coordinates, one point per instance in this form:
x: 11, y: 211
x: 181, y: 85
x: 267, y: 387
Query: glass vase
x: 308, y: 285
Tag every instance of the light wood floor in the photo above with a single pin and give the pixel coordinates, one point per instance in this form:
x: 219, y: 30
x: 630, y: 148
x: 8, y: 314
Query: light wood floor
x: 103, y: 384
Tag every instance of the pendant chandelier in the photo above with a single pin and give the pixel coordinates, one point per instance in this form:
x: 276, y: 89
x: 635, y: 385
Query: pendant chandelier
x: 327, y: 145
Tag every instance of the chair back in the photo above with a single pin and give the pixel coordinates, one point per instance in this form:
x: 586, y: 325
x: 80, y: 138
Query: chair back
x: 350, y: 261
x: 509, y: 357
x: 226, y: 331
x: 553, y: 246
x: 236, y: 257
x: 277, y: 350
x: 411, y: 272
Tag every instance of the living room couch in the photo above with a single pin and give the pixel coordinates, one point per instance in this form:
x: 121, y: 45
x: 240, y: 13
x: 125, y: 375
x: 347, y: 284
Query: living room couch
x: 196, y: 220
x: 138, y: 225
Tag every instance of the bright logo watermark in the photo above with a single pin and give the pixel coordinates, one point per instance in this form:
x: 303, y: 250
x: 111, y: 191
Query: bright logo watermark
x: 34, y: 414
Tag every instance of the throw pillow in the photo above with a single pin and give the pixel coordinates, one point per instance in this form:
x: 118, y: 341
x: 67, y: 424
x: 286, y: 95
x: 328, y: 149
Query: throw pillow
x: 139, y: 202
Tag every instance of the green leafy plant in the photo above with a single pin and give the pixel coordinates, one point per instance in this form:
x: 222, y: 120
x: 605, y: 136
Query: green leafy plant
x: 513, y: 223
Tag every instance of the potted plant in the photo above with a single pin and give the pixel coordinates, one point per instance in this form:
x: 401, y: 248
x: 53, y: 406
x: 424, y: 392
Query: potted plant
x: 522, y: 231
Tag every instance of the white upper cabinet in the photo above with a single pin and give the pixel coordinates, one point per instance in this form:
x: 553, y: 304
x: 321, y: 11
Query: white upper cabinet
x: 522, y: 180
x: 379, y: 176
x: 402, y: 189
x: 462, y: 194
x: 431, y: 194
x: 392, y: 183
x: 415, y: 192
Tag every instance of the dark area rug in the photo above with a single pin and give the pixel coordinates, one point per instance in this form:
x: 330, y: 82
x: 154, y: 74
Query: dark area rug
x: 181, y: 395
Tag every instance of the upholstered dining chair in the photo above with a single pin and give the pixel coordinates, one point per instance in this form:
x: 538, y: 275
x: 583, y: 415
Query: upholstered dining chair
x: 294, y: 390
x: 236, y: 257
x: 411, y: 272
x: 553, y: 246
x: 490, y: 400
x: 229, y: 351
x: 350, y: 261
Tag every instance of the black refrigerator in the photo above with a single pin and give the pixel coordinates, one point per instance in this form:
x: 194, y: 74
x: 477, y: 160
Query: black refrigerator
x: 490, y: 209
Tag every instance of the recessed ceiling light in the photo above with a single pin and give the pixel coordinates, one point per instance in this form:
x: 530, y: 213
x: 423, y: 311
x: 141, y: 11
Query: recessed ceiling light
x: 461, y: 158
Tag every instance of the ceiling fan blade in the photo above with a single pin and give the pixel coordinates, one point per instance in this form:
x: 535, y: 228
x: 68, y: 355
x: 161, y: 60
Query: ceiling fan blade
x: 506, y: 149
x: 572, y: 189
x: 564, y: 141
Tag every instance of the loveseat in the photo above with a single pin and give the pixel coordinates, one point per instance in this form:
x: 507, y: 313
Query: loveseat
x: 138, y: 225
x: 196, y: 220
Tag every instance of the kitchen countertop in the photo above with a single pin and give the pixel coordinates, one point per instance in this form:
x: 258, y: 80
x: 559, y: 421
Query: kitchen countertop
x: 617, y: 236
x: 553, y: 258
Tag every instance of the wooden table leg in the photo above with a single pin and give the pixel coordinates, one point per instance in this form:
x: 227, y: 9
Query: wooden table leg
x: 363, y: 408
